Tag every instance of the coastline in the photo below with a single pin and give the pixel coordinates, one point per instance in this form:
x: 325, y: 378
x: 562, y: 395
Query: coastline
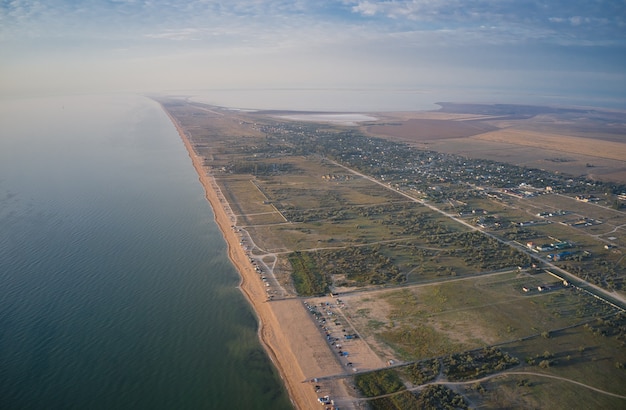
x: 220, y: 145
x: 273, y: 339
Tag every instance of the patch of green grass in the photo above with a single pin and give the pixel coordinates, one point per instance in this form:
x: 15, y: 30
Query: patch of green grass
x: 379, y: 382
x: 375, y: 324
x: 307, y: 278
x: 419, y: 341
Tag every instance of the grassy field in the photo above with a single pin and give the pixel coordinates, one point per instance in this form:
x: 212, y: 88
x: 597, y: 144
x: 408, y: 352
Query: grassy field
x: 536, y: 392
x: 432, y: 320
x: 557, y: 333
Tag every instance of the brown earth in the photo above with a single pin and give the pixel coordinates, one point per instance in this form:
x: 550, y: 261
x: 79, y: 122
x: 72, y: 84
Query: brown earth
x: 429, y: 129
x: 559, y: 143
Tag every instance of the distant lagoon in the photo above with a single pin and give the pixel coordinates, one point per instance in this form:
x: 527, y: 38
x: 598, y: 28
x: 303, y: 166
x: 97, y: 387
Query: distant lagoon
x: 340, y: 119
x: 364, y: 100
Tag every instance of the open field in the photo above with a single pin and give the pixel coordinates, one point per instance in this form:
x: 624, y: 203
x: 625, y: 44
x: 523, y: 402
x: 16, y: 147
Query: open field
x: 558, y: 143
x: 572, y: 141
x: 582, y: 357
x: 533, y: 157
x: 388, y: 253
x: 553, y: 333
x: 433, y: 320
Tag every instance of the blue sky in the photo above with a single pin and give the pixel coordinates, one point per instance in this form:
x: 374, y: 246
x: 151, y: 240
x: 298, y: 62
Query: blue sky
x: 561, y: 47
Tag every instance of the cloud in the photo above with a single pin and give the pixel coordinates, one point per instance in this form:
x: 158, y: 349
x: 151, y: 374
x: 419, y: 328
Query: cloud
x: 367, y: 8
x: 605, y: 21
x: 282, y: 20
x: 177, y: 34
x: 311, y: 42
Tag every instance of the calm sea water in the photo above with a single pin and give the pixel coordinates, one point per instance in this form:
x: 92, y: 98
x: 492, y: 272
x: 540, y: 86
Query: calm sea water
x: 115, y: 288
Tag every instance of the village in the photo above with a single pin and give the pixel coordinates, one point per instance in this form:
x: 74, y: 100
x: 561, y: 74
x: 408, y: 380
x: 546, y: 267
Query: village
x: 407, y: 260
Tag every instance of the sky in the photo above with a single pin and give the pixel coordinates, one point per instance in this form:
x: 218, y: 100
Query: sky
x: 558, y: 47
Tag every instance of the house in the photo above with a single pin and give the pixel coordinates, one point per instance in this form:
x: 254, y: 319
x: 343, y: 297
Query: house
x: 559, y: 256
x: 562, y: 245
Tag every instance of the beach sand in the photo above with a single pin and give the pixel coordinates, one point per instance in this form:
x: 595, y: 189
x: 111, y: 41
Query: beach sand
x: 286, y: 329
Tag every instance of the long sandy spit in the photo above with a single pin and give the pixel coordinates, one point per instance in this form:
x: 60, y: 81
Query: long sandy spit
x: 276, y: 340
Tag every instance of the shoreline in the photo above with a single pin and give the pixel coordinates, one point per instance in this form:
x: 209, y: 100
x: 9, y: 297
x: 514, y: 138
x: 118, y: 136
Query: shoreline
x: 270, y: 334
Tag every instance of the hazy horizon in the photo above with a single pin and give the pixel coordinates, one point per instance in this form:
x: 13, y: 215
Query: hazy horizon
x: 527, y: 51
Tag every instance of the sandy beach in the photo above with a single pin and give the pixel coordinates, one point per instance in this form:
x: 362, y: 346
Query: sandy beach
x: 286, y: 330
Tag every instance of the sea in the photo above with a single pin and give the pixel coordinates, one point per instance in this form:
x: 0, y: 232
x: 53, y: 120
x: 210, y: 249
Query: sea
x: 115, y: 287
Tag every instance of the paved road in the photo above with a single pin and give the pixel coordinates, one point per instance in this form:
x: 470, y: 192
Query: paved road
x: 610, y: 297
